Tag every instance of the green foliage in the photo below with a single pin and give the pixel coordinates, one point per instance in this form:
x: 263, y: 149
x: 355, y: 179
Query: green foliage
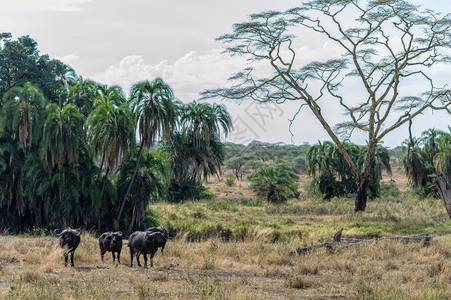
x: 275, y: 184
x: 230, y: 181
x: 150, y: 219
x: 149, y: 185
x: 111, y: 129
x: 425, y: 156
x: 187, y: 190
x: 332, y: 175
x: 236, y: 164
x: 389, y: 190
x: 23, y: 113
x: 246, y: 159
x: 62, y: 136
x: 155, y: 110
x: 190, y: 162
x: 204, y: 121
x: 20, y: 62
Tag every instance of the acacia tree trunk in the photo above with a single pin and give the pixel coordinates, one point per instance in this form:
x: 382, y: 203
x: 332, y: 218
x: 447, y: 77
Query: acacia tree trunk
x: 364, y: 179
x: 362, y: 193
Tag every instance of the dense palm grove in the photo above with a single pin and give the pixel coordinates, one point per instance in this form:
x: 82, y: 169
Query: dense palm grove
x: 74, y: 152
x: 69, y: 156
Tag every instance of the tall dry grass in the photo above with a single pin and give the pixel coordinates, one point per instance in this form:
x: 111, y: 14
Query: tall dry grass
x: 33, y: 268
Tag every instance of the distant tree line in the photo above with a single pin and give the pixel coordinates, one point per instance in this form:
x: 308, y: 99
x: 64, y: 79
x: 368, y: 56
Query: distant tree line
x: 246, y: 159
x: 331, y: 177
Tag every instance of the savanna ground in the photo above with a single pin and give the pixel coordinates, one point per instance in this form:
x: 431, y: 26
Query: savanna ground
x: 236, y: 247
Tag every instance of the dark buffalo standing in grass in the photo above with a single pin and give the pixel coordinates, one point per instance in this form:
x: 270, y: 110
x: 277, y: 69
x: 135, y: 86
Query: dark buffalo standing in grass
x: 69, y: 240
x: 145, y: 242
x: 163, y: 231
x: 111, y: 241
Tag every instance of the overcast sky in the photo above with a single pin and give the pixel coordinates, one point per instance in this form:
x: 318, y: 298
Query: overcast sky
x: 123, y: 42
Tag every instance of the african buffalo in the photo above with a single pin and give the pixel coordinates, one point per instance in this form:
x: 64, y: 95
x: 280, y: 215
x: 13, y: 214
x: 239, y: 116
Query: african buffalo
x: 69, y: 240
x: 163, y: 231
x: 145, y: 242
x: 111, y: 241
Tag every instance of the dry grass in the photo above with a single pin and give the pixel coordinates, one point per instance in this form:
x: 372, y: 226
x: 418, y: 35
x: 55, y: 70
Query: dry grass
x: 32, y: 267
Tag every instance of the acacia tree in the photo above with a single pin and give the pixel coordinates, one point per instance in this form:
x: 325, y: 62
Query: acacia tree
x: 385, y: 44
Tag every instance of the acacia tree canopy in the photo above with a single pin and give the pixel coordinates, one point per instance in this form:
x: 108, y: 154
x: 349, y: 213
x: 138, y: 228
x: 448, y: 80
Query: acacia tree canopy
x: 386, y: 45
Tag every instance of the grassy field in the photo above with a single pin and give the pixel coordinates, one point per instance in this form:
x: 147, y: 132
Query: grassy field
x: 236, y: 247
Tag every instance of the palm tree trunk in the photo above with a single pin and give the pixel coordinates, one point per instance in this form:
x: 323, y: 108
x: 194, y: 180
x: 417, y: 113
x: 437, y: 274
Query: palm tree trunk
x: 101, y: 164
x: 103, y: 189
x: 104, y: 181
x: 116, y: 223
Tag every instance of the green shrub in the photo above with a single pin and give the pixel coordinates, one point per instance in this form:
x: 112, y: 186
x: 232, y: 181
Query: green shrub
x: 230, y: 181
x: 274, y: 184
x: 389, y: 190
x: 188, y: 190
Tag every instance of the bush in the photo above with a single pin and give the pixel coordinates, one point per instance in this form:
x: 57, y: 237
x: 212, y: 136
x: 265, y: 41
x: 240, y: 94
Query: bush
x: 230, y: 181
x: 389, y: 190
x: 274, y: 184
x: 188, y: 190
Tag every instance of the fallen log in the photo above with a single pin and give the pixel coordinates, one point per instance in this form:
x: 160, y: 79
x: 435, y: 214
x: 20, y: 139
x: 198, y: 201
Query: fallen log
x: 443, y: 188
x: 337, y: 239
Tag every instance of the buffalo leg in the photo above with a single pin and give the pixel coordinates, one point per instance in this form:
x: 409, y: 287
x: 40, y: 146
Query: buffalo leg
x: 145, y: 260
x: 66, y: 257
x: 72, y: 259
x: 119, y: 257
x: 131, y: 258
x: 151, y: 259
x: 137, y: 259
x: 114, y: 257
x: 102, y: 253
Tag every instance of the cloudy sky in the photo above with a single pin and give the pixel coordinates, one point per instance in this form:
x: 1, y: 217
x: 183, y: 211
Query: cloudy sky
x: 123, y: 42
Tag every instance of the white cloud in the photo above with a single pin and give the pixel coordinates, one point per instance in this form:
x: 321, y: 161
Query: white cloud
x: 188, y: 76
x: 32, y: 5
x: 69, y: 59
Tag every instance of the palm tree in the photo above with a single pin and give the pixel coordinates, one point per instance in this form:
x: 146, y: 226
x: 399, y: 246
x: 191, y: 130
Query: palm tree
x: 431, y: 140
x: 82, y: 94
x: 319, y: 158
x: 442, y: 159
x: 416, y: 163
x: 156, y: 117
x: 112, y: 94
x: 335, y: 177
x: 66, y: 77
x: 23, y: 113
x: 149, y: 184
x: 111, y: 132
x: 155, y: 110
x: 197, y: 152
x: 276, y: 184
x: 192, y: 163
x: 65, y: 196
x: 111, y: 129
x: 62, y: 136
x: 12, y: 158
x: 205, y: 121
